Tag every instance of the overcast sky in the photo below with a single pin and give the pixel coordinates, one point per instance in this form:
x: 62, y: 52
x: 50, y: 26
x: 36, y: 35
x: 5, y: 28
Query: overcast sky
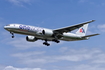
x: 18, y: 54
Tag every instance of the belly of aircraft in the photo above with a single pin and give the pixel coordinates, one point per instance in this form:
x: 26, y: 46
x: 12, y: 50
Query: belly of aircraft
x: 43, y: 37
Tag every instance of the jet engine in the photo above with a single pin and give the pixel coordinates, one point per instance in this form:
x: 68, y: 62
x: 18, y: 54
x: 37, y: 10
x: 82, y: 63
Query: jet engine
x: 31, y: 38
x: 47, y: 32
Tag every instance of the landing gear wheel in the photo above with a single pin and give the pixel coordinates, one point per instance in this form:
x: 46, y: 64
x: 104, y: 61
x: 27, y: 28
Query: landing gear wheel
x: 57, y: 41
x: 45, y: 43
x: 48, y: 44
x: 12, y: 36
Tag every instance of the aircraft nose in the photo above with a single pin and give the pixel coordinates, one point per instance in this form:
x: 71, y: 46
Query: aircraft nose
x: 5, y: 27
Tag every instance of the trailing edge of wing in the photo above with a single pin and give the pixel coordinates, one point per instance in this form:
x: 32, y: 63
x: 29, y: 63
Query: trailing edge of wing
x: 71, y: 28
x: 90, y: 35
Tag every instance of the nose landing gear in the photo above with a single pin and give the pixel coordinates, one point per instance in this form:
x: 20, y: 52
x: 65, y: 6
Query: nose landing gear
x: 12, y: 34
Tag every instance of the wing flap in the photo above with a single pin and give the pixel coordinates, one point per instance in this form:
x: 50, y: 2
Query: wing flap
x: 71, y: 28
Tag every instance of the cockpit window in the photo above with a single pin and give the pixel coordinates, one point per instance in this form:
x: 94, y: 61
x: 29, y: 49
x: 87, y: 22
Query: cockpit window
x: 8, y: 25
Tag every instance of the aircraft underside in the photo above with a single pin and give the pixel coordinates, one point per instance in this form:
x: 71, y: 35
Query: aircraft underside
x: 39, y: 37
x: 42, y: 37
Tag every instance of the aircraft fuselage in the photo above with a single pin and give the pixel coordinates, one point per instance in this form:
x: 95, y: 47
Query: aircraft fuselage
x: 38, y: 32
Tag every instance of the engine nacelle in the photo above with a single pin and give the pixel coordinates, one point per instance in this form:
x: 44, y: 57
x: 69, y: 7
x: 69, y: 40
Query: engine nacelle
x: 31, y: 38
x: 47, y: 32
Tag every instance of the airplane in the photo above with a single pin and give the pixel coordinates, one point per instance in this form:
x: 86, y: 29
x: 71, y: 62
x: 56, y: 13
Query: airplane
x: 38, y: 33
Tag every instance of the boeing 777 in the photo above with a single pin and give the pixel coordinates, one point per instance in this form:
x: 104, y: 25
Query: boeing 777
x: 37, y: 33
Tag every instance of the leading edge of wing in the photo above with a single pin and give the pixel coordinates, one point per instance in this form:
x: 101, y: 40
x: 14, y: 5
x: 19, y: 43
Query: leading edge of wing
x: 71, y: 28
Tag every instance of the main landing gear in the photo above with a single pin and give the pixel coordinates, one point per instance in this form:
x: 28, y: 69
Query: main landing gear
x: 12, y: 34
x: 57, y: 41
x: 46, y: 43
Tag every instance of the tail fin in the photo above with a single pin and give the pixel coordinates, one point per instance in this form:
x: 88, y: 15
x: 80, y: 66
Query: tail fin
x: 82, y: 30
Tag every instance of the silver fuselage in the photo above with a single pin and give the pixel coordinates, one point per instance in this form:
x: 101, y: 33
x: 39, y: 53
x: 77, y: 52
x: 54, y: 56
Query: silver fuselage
x: 37, y: 32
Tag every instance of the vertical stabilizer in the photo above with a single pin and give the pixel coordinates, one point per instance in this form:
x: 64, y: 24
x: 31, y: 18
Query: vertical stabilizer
x: 82, y: 30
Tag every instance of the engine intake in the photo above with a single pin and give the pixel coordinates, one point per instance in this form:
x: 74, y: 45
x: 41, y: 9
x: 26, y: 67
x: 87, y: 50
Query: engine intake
x: 31, y: 38
x: 47, y: 32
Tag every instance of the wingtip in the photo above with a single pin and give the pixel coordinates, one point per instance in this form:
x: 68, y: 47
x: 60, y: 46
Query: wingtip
x: 90, y: 21
x: 93, y: 20
x: 98, y: 34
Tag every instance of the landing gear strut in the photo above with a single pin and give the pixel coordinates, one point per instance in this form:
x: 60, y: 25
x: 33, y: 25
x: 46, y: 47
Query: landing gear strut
x: 56, y: 38
x: 46, y: 43
x: 12, y: 34
x: 57, y: 41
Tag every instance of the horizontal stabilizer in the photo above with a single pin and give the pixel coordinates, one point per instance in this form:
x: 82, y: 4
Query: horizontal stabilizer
x: 90, y: 35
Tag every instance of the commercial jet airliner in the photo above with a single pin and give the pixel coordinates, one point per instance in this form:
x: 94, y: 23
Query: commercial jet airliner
x: 37, y: 33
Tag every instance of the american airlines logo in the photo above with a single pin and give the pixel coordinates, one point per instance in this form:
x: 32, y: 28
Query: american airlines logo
x: 82, y: 30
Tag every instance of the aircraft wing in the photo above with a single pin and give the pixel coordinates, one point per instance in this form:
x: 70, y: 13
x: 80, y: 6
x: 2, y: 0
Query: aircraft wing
x: 71, y: 28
